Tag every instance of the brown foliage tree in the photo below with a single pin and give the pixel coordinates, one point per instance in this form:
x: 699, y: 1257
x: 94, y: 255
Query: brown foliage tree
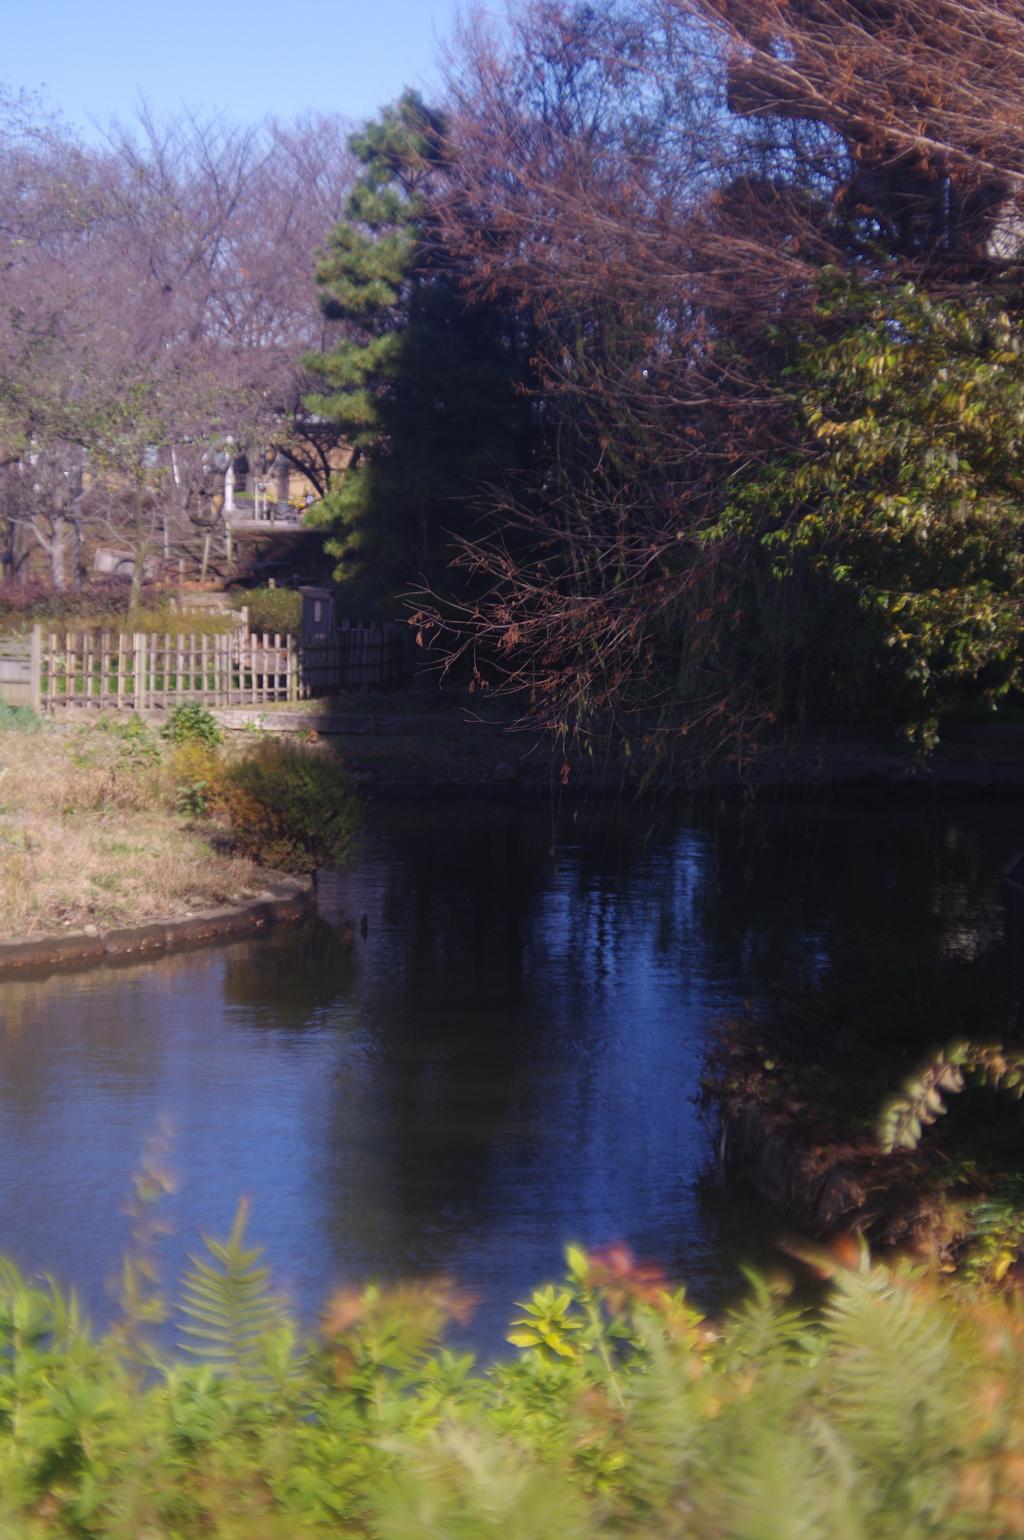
x: 926, y: 97
x: 662, y: 186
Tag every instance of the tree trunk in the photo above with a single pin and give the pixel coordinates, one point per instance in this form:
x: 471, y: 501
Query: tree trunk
x: 77, y: 522
x: 52, y: 543
x: 21, y: 550
x: 58, y: 572
x: 139, y: 555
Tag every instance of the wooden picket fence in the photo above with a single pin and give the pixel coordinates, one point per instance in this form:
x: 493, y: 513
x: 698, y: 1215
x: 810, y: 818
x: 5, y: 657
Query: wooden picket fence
x: 115, y: 671
x: 108, y: 671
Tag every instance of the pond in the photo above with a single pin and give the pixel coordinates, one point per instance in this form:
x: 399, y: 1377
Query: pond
x: 508, y: 1060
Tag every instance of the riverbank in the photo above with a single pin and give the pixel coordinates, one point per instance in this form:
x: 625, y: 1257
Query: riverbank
x: 101, y: 827
x: 435, y: 742
x: 804, y: 1093
x: 283, y: 899
x: 107, y: 843
x: 418, y: 744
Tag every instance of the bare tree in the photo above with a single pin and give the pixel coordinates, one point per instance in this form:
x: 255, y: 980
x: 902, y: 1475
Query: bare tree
x: 925, y: 96
x: 660, y: 187
x: 158, y: 296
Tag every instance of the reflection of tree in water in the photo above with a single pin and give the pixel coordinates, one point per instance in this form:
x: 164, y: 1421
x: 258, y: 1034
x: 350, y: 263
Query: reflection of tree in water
x: 433, y: 1008
x: 95, y: 1010
x: 289, y: 976
x: 445, y: 1002
x: 790, y: 886
x: 504, y: 1063
x: 514, y: 973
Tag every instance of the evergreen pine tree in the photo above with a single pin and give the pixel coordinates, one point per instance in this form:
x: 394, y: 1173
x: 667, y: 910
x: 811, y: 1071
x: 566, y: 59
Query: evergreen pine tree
x: 424, y: 385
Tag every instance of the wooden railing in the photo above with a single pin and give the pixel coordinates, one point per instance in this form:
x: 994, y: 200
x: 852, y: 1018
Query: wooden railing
x: 113, y: 671
x: 137, y: 671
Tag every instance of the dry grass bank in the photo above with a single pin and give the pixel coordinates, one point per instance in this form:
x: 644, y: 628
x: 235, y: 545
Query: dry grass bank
x: 89, y: 835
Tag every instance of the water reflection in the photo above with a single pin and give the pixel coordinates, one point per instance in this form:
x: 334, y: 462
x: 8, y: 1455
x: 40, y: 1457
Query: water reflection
x: 505, y: 1061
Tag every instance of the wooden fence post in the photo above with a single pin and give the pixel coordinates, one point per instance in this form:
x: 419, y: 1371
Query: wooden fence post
x: 35, y: 659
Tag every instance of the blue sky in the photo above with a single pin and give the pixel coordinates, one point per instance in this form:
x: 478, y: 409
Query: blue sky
x: 92, y: 59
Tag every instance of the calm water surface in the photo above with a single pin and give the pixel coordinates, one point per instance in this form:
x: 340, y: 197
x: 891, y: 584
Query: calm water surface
x: 508, y: 1060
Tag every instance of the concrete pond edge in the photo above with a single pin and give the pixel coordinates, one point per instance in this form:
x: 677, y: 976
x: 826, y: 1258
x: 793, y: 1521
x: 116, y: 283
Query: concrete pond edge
x: 284, y: 899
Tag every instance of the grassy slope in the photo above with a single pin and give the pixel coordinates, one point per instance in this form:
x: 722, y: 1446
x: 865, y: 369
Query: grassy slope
x: 89, y: 835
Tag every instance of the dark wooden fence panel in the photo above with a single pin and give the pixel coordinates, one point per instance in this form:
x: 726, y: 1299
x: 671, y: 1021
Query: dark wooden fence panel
x: 19, y: 670
x: 376, y: 655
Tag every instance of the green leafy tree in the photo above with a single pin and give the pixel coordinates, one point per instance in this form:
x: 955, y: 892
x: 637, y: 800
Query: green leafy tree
x: 887, y: 575
x: 425, y: 385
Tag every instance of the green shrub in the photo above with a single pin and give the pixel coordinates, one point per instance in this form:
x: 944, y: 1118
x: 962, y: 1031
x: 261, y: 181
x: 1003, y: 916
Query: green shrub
x: 193, y: 772
x: 103, y: 606
x: 193, y: 798
x: 21, y: 719
x: 291, y: 808
x: 277, y: 611
x: 192, y: 761
x: 165, y: 618
x: 895, y: 1413
x: 191, y: 723
x: 127, y: 746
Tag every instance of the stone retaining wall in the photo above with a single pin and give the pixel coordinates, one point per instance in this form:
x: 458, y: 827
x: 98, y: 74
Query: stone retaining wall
x: 284, y: 899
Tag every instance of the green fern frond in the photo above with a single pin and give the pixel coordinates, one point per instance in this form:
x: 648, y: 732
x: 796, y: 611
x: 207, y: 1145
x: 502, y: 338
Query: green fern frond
x: 903, y: 1116
x: 893, y: 1390
x: 37, y: 1318
x: 998, y: 1067
x: 230, y: 1305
